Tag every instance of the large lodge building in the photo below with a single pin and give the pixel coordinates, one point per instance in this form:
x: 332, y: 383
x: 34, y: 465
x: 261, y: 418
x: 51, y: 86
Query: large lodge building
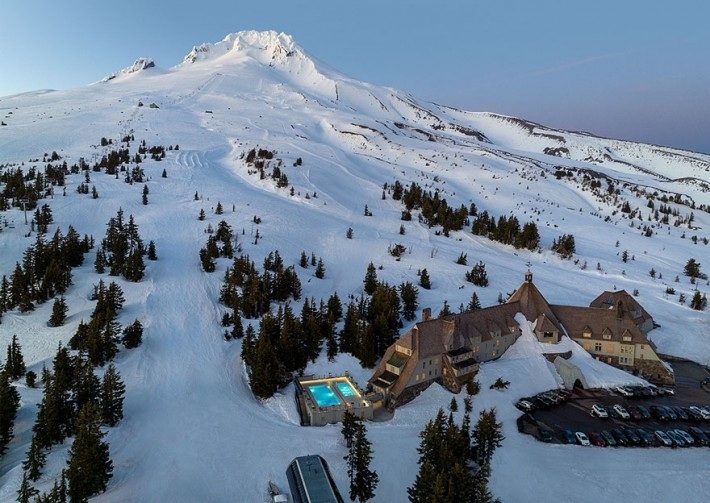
x: 448, y: 350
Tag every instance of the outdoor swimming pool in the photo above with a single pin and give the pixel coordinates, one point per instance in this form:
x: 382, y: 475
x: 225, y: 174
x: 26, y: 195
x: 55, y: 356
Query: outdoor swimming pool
x: 323, y: 395
x: 345, y: 389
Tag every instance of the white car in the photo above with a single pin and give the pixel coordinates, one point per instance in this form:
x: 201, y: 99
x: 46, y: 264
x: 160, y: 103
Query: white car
x: 599, y: 411
x: 621, y: 411
x: 704, y: 413
x: 582, y: 438
x: 623, y: 391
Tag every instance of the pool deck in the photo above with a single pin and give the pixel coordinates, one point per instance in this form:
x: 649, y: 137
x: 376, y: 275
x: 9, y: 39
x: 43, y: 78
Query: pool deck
x: 319, y: 410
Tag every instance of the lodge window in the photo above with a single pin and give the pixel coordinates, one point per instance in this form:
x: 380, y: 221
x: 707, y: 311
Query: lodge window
x: 598, y: 346
x: 587, y: 335
x: 587, y: 346
x: 606, y: 337
x: 547, y: 334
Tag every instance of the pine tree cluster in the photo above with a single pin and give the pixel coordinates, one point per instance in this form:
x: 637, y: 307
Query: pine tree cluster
x: 454, y: 461
x: 478, y: 275
x: 434, y: 210
x: 99, y: 338
x: 506, y: 230
x: 122, y: 249
x: 286, y: 342
x: 247, y: 291
x: 45, y: 270
x: 564, y: 246
x: 75, y: 403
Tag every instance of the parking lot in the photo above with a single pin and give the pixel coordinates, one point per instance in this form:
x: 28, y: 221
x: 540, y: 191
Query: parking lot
x: 574, y: 412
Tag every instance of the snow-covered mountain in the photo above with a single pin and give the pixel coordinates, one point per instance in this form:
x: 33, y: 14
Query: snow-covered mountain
x: 192, y: 429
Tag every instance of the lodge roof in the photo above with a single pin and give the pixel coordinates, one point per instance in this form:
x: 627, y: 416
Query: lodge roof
x: 599, y: 322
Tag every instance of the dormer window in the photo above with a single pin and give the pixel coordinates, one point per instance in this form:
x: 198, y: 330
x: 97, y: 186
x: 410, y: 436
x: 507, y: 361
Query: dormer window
x: 587, y: 335
x: 606, y: 337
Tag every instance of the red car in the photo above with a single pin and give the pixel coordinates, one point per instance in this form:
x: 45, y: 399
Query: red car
x: 596, y: 439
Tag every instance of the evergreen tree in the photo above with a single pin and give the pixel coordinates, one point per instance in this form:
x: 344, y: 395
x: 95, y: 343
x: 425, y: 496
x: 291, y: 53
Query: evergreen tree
x: 151, y: 251
x: 349, y: 233
x: 219, y: 210
x: 201, y: 216
x: 424, y: 280
x: 363, y: 481
x: 145, y: 194
x: 408, y: 293
x: 35, y: 460
x: 370, y: 280
x: 486, y: 437
x: 698, y: 302
x: 15, y: 362
x: 26, y: 491
x: 89, y: 467
x: 348, y: 430
x: 474, y: 303
x: 445, y: 310
x: 112, y: 392
x: 692, y: 269
x: 9, y: 404
x: 320, y: 269
x: 132, y: 335
x: 265, y: 368
x: 59, y: 312
x: 304, y: 260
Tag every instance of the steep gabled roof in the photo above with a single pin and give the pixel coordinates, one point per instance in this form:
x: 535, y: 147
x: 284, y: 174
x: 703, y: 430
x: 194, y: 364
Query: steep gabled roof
x: 533, y: 304
x: 629, y: 305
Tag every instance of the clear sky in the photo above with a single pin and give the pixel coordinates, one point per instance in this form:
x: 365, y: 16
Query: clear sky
x: 629, y: 69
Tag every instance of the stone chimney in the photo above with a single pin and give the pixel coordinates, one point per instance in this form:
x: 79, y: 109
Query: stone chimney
x: 426, y: 314
x: 619, y: 309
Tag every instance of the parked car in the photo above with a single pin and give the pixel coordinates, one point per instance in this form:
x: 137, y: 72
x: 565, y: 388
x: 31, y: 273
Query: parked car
x: 545, y: 434
x: 689, y: 440
x: 620, y: 437
x: 596, y: 439
x: 697, y: 410
x: 663, y: 438
x: 525, y: 405
x: 659, y: 413
x: 665, y: 390
x: 699, y: 435
x: 634, y: 439
x: 624, y: 391
x: 608, y: 438
x: 570, y: 438
x: 677, y: 439
x: 645, y: 414
x: 672, y: 416
x: 645, y: 436
x: 621, y: 411
x: 694, y: 413
x: 634, y: 412
x: 582, y: 439
x: 682, y: 416
x: 599, y: 411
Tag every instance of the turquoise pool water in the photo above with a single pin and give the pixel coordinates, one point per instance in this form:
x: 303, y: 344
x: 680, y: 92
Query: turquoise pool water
x: 345, y: 389
x: 323, y: 395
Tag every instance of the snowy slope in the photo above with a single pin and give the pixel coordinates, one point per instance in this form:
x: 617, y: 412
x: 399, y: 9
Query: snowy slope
x: 192, y: 429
